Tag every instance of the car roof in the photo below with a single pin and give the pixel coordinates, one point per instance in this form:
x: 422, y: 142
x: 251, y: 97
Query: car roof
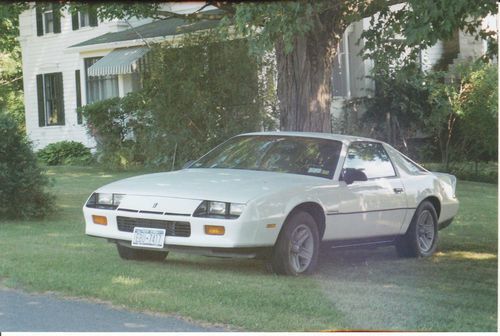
x: 330, y: 136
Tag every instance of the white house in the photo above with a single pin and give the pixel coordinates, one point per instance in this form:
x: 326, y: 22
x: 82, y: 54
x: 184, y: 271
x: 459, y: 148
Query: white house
x: 72, y: 60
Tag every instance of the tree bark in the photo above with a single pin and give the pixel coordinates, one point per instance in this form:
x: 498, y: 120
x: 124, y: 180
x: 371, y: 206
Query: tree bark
x: 304, y: 82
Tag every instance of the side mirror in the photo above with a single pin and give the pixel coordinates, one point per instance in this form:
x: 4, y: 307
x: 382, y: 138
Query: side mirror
x: 351, y: 175
x: 188, y: 164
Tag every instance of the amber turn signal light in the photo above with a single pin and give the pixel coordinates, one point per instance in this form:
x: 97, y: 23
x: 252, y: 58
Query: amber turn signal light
x: 214, y: 230
x: 101, y: 220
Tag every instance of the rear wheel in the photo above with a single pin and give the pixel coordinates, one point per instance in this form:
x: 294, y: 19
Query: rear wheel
x: 296, y: 250
x: 128, y: 253
x: 421, y: 238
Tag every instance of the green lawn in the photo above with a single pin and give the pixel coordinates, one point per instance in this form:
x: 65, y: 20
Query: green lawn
x: 456, y: 290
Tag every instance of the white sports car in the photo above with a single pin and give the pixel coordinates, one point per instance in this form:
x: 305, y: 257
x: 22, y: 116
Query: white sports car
x: 277, y: 195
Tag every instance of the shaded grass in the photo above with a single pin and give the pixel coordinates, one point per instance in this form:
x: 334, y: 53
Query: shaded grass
x: 354, y: 289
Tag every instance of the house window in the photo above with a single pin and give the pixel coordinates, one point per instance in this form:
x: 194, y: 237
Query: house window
x: 50, y: 99
x: 99, y: 87
x: 84, y: 18
x: 48, y: 19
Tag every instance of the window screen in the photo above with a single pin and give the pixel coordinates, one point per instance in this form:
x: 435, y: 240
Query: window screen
x: 100, y: 87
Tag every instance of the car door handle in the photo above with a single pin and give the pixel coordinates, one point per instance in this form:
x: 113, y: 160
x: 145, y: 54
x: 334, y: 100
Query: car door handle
x: 398, y: 190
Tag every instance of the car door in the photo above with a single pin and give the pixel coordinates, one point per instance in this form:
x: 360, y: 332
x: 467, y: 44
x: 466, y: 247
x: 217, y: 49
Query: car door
x: 371, y: 208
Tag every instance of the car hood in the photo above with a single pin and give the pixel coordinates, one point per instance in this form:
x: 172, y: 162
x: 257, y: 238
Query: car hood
x: 227, y: 185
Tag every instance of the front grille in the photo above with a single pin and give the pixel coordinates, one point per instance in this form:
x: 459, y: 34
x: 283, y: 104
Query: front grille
x: 172, y: 228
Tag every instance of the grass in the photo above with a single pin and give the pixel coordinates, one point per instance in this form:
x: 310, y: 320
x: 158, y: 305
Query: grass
x: 455, y: 290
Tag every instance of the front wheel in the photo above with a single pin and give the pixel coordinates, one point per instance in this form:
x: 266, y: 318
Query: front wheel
x: 421, y: 238
x: 128, y: 253
x: 296, y: 250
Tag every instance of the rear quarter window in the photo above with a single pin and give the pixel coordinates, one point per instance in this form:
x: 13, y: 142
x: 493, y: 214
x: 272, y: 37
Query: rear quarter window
x: 405, y: 163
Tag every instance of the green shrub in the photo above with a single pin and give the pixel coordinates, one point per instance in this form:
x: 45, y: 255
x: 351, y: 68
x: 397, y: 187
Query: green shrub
x: 112, y: 123
x: 22, y: 182
x: 189, y: 103
x: 65, y: 153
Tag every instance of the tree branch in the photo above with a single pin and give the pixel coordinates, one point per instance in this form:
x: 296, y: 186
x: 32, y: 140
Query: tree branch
x: 227, y: 7
x: 10, y: 81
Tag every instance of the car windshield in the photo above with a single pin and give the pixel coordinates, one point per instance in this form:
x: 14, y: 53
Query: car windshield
x: 285, y: 154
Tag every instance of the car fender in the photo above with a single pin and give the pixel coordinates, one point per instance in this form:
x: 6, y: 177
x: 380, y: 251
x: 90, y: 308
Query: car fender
x: 269, y: 213
x: 418, y: 189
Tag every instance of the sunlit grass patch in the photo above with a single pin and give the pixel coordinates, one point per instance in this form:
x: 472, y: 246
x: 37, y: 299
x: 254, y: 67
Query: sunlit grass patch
x: 466, y: 255
x: 124, y: 280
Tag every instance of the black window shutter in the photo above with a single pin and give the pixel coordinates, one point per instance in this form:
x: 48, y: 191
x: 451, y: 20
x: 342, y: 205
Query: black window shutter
x: 92, y: 16
x: 74, y: 21
x: 56, y: 10
x: 79, y: 118
x: 59, y: 92
x: 39, y: 21
x: 41, y: 100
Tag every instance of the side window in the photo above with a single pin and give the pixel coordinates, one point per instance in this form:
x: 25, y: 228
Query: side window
x: 371, y: 158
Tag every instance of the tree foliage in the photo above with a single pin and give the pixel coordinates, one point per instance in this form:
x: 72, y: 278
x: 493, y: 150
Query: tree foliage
x: 419, y: 24
x: 477, y: 105
x: 11, y: 85
x: 397, y: 109
x: 190, y: 102
x: 457, y: 110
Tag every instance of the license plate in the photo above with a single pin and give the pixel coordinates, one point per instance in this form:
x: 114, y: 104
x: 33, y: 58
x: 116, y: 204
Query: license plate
x: 146, y: 237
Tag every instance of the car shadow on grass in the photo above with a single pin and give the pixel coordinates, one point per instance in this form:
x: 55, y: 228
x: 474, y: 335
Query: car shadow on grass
x: 197, y: 263
x: 330, y: 261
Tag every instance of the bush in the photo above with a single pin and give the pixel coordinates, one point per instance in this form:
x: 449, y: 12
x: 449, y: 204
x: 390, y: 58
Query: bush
x: 22, y: 182
x: 113, y: 123
x: 191, y: 101
x: 65, y: 153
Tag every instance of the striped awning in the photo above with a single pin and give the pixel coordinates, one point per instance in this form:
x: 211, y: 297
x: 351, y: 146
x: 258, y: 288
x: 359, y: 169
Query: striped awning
x: 118, y: 62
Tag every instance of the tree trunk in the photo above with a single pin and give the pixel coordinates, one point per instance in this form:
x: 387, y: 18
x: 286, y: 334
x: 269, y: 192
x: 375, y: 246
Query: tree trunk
x: 304, y: 82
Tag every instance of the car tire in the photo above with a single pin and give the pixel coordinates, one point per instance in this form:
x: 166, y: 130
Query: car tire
x: 422, y: 236
x: 128, y: 253
x: 296, y: 250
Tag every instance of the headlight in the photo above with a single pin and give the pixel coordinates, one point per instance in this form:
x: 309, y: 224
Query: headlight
x: 104, y: 201
x: 212, y: 209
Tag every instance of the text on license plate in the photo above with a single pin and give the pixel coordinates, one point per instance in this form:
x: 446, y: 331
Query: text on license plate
x: 146, y: 237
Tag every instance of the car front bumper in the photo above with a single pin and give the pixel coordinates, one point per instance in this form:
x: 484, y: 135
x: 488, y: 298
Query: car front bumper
x: 239, y: 233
